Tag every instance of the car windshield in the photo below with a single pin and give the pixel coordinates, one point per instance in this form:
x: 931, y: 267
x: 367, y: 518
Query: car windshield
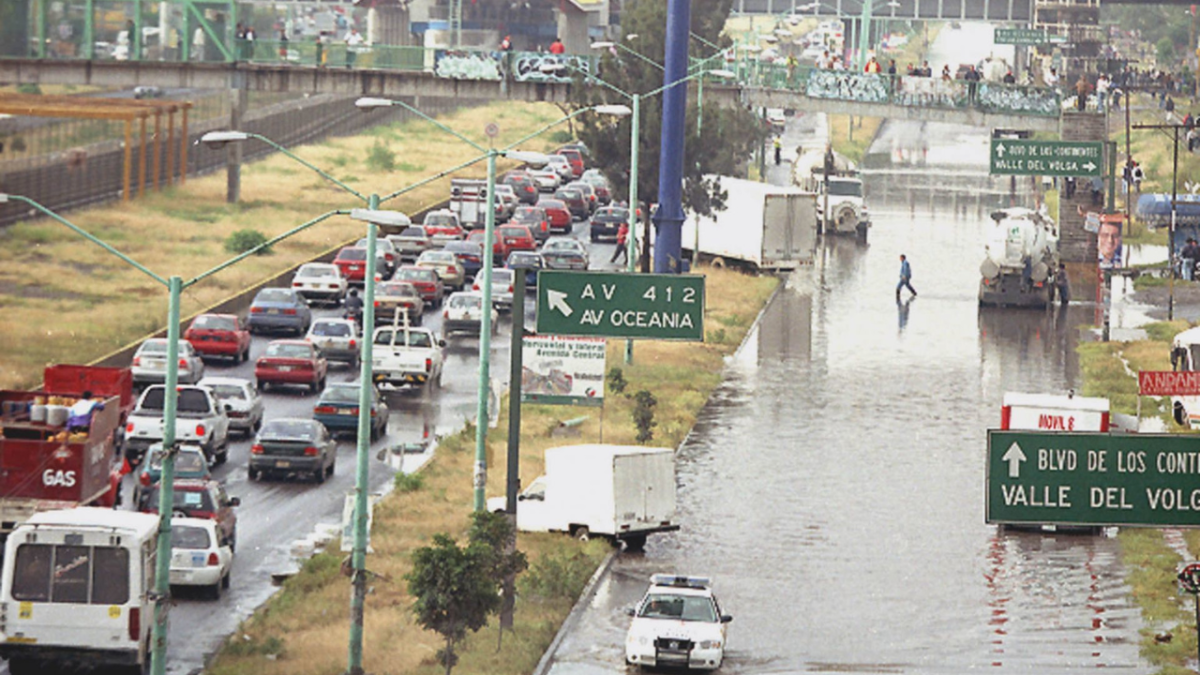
x: 186, y: 461
x: 417, y: 232
x: 189, y: 537
x: 395, y: 289
x: 214, y: 322
x: 678, y: 607
x: 331, y: 329
x: 464, y: 247
x: 569, y: 194
x: 528, y: 214
x: 340, y: 393
x: 844, y: 188
x: 440, y: 219
x: 288, y: 430
x: 410, y: 274
x: 189, y: 400
x: 560, y: 245
x: 156, y: 347
x: 314, y: 271
x: 187, y: 500
x: 465, y: 301
x: 512, y: 231
x: 275, y: 295
x: 353, y: 254
x: 551, y: 204
x: 227, y: 392
x: 414, y: 338
x: 524, y: 260
x: 289, y: 351
x: 613, y: 215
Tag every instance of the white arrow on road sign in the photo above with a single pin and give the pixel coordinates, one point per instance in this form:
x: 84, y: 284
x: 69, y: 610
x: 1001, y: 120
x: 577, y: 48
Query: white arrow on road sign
x: 1014, y: 456
x: 1090, y: 167
x: 558, y: 300
x: 1000, y: 149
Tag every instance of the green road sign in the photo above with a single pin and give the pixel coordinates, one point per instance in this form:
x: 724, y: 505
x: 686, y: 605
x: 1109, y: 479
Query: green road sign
x: 1080, y: 159
x: 1027, y: 37
x: 1093, y: 479
x: 606, y: 304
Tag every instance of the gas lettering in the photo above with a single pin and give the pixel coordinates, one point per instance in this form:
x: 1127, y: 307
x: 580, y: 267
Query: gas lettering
x: 52, y: 478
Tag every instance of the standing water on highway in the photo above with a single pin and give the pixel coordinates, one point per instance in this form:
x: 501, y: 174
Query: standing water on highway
x: 833, y: 488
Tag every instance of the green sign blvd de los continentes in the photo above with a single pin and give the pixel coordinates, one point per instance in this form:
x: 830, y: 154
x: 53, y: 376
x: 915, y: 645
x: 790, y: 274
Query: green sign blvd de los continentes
x: 1093, y: 479
x: 1081, y: 159
x: 607, y: 304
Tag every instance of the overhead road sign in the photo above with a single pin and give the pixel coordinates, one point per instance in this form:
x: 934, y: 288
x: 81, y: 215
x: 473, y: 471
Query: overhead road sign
x: 607, y: 304
x: 1081, y: 159
x: 1026, y: 37
x: 1150, y: 480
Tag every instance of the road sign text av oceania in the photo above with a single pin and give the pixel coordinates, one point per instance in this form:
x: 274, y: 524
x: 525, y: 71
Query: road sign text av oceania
x: 607, y: 304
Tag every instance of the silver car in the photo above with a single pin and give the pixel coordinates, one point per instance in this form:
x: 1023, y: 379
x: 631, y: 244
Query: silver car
x: 150, y: 363
x: 502, y: 287
x: 245, y: 406
x: 338, y: 340
x: 411, y: 242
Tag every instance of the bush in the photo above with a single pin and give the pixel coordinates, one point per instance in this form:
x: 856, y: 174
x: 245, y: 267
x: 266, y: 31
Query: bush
x: 558, y: 576
x: 561, y: 136
x: 244, y: 240
x: 409, y: 482
x: 380, y: 158
x: 617, y: 381
x: 643, y: 415
x: 29, y: 89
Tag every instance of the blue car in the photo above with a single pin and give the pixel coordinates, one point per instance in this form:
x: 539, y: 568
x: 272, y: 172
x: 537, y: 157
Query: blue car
x: 469, y: 253
x: 190, y: 462
x: 528, y: 261
x: 337, y: 409
x: 279, y: 309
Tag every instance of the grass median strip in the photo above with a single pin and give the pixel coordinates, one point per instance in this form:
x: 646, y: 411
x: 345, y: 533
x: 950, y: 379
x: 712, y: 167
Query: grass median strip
x: 303, y: 629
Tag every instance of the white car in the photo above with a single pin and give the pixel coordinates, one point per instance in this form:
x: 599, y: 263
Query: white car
x: 245, y: 406
x: 390, y: 254
x: 562, y: 165
x: 547, y: 180
x: 464, y: 313
x: 677, y: 623
x: 150, y: 363
x: 338, y: 340
x: 198, y: 555
x: 320, y: 281
x: 502, y: 287
x: 508, y: 196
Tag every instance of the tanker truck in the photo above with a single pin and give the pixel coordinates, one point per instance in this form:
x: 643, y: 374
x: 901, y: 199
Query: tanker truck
x: 1021, y: 259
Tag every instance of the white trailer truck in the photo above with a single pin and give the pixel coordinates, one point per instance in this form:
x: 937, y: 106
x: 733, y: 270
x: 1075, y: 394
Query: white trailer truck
x: 1020, y: 261
x: 621, y: 492
x: 767, y: 226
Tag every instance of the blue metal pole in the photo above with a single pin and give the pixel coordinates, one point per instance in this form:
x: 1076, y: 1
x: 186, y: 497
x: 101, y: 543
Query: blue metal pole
x: 669, y: 217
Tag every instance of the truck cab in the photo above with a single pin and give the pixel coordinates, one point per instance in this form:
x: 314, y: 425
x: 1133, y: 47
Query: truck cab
x: 201, y: 418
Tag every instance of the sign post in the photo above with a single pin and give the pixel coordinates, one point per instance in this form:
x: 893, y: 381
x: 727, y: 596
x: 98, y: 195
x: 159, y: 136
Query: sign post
x: 1093, y: 479
x: 1189, y: 580
x: 1014, y: 157
x: 608, y: 304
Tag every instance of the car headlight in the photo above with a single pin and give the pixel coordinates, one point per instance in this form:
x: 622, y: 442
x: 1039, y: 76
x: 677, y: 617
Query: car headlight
x: 710, y: 644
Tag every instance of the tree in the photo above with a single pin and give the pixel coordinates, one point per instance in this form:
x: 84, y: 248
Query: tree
x: 495, y: 531
x: 1164, y: 51
x: 729, y: 134
x: 455, y: 590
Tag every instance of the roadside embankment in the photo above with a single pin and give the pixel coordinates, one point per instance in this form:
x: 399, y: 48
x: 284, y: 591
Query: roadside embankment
x: 303, y: 629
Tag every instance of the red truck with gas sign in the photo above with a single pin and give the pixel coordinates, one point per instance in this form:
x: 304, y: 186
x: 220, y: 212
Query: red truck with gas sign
x: 43, y: 466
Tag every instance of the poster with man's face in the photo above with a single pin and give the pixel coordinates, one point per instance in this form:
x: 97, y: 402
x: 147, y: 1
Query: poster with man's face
x: 1108, y: 244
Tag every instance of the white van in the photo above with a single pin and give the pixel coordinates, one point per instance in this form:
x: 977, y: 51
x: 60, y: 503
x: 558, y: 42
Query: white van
x: 76, y: 590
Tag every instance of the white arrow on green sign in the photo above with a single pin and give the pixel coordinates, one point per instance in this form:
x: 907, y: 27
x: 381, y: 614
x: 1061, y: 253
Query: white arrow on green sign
x: 607, y: 304
x: 1080, y: 159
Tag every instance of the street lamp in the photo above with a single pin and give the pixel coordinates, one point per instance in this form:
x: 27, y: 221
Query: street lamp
x: 485, y: 329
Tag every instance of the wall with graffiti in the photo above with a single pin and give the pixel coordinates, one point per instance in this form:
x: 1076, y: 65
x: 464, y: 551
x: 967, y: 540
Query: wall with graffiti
x: 464, y: 65
x: 542, y: 67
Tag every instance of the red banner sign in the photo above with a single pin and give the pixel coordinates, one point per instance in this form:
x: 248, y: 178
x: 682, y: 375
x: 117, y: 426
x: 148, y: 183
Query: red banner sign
x: 1168, y: 383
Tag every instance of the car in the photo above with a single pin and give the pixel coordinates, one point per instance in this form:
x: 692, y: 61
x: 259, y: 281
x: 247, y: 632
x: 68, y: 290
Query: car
x: 564, y: 253
x: 149, y: 364
x: 199, y: 557
x: 502, y: 287
x: 222, y: 335
x: 243, y: 405
x: 463, y: 313
x: 524, y: 185
x: 447, y: 266
x: 499, y: 250
x: 190, y: 463
x: 575, y: 158
x: 279, y: 309
x: 426, y: 281
x: 607, y: 221
x: 291, y: 362
x: 395, y: 299
x: 602, y: 188
x: 562, y: 166
x: 507, y: 196
x: 352, y: 262
x: 576, y: 201
x: 337, y: 409
x: 558, y: 214
x: 338, y: 340
x: 529, y: 261
x: 443, y: 226
x: 201, y: 499
x: 535, y: 218
x: 678, y: 622
x: 411, y: 242
x: 547, y: 179
x: 469, y: 253
x: 320, y: 282
x: 517, y: 238
x: 593, y: 173
x: 293, y: 446
x: 589, y: 194
x: 579, y: 146
x: 390, y: 255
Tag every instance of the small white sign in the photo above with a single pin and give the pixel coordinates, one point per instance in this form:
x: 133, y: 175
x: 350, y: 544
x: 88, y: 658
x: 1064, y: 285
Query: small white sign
x: 348, y: 522
x: 563, y: 369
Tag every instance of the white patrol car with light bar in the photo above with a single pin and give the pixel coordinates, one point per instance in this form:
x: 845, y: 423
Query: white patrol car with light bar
x: 677, y: 623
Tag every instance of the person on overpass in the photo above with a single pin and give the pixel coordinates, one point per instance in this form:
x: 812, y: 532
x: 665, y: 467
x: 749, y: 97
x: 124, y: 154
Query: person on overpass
x: 557, y: 47
x: 353, y: 43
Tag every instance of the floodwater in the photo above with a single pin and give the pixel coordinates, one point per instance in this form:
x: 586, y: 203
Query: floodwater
x: 833, y: 487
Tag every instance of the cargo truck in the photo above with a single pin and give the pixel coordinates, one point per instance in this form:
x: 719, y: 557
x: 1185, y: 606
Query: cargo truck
x: 1021, y: 259
x: 623, y: 493
x: 764, y: 226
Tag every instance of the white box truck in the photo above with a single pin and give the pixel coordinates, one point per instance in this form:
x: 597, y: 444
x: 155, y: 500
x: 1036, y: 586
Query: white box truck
x: 623, y: 492
x: 1051, y: 412
x: 767, y: 226
x: 76, y: 591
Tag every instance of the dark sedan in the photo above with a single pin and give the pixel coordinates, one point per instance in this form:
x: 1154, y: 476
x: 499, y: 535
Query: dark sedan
x: 530, y: 262
x: 576, y: 201
x: 469, y: 254
x: 293, y: 446
x: 279, y: 309
x: 564, y: 253
x: 607, y: 222
x: 337, y: 409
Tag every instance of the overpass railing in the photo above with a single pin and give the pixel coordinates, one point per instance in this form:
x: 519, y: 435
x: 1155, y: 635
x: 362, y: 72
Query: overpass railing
x: 903, y: 90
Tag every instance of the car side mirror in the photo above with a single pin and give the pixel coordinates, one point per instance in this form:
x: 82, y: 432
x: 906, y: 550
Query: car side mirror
x: 630, y: 611
x: 235, y: 501
x: 726, y: 618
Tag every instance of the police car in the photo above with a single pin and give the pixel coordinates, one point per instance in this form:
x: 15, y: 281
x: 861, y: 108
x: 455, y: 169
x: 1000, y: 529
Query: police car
x: 677, y: 623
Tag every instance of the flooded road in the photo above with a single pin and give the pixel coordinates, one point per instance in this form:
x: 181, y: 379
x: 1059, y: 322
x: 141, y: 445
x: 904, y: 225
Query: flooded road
x: 833, y: 488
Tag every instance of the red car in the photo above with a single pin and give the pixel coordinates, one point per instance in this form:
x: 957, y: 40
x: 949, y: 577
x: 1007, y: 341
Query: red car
x: 291, y: 362
x: 575, y: 158
x: 533, y: 217
x: 425, y: 280
x: 558, y: 215
x: 219, y: 335
x: 197, y: 498
x: 499, y: 250
x: 352, y: 261
x: 517, y: 238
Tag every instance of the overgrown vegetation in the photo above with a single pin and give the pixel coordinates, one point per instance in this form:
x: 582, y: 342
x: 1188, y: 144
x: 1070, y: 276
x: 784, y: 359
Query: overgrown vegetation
x: 246, y: 240
x: 381, y: 158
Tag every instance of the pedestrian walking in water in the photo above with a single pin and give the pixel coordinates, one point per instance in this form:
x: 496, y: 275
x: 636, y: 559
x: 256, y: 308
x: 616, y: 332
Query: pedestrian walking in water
x: 1063, y: 284
x: 905, y: 278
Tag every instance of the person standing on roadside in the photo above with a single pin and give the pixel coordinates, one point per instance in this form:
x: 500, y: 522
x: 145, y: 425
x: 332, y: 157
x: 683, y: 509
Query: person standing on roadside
x: 1063, y: 284
x: 905, y: 278
x: 622, y: 250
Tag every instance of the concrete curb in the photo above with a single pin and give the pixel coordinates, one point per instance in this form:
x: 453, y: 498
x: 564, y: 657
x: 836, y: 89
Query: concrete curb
x: 589, y: 591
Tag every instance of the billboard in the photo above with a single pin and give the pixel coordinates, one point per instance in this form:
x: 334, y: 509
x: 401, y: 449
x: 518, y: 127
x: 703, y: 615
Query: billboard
x: 563, y: 370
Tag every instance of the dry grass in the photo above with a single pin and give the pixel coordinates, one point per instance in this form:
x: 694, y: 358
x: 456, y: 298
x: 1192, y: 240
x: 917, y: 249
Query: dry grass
x: 66, y: 299
x: 680, y: 375
x: 852, y: 141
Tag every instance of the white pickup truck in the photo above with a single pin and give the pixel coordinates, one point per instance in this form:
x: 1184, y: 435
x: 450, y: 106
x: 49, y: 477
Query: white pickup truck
x: 407, y: 356
x: 200, y: 418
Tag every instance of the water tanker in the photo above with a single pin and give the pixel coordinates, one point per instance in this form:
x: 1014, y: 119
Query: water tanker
x: 1021, y: 259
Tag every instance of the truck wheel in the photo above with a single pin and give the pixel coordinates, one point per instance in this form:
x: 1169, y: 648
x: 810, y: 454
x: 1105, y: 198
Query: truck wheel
x: 214, y: 591
x: 222, y: 456
x: 582, y: 533
x: 225, y: 580
x: 636, y: 544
